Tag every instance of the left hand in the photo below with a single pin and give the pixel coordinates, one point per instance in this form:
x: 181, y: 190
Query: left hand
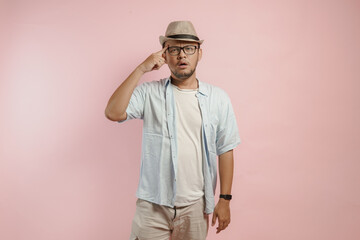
x: 222, y: 213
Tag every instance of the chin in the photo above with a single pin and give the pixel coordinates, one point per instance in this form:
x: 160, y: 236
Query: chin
x: 183, y: 76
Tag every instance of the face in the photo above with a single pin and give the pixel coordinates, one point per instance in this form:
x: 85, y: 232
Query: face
x: 182, y: 66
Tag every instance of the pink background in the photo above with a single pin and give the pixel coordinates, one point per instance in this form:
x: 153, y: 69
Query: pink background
x: 291, y: 69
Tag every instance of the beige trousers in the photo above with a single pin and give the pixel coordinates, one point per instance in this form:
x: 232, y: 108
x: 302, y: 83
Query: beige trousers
x: 156, y: 222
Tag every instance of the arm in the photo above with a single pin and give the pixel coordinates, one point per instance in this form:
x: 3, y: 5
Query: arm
x: 118, y: 102
x: 222, y: 209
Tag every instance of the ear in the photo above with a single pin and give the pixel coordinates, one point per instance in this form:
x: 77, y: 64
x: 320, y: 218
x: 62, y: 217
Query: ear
x: 200, y: 54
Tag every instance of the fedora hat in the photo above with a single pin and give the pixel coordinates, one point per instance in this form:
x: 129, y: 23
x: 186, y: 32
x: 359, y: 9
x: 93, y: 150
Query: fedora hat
x: 182, y: 31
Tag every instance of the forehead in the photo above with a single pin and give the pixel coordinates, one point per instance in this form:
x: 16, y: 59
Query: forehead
x: 179, y: 43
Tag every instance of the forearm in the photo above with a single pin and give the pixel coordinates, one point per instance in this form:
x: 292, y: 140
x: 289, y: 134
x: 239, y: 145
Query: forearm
x: 118, y: 102
x: 226, y: 170
x: 222, y: 209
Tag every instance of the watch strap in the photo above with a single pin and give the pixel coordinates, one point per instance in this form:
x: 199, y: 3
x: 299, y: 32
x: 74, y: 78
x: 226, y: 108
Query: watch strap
x: 226, y: 196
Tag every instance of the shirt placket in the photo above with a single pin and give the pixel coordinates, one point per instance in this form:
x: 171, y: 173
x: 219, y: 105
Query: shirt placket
x: 205, y: 120
x: 170, y: 115
x: 206, y: 138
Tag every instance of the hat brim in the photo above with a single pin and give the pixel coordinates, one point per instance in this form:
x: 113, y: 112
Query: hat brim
x: 163, y: 39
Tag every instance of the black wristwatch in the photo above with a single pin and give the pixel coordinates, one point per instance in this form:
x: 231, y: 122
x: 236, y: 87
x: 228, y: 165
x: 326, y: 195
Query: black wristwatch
x: 226, y: 196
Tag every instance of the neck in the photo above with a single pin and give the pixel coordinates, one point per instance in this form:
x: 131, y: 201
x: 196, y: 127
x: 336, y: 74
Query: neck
x: 188, y: 83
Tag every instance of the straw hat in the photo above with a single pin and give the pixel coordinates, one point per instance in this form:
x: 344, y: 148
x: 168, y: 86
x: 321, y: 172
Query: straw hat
x: 180, y: 30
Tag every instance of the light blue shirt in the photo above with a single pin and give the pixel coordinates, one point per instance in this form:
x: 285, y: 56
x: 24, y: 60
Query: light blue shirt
x: 154, y: 103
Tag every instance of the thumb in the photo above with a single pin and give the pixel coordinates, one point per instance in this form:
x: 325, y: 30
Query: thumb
x: 213, y: 219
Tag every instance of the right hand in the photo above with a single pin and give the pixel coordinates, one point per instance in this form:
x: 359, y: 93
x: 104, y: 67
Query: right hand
x: 154, y: 61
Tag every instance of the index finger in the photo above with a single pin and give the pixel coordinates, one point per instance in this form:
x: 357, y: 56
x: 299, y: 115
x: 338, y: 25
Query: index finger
x: 163, y: 50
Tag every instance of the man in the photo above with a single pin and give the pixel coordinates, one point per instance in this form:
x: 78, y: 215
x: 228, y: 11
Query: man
x: 187, y: 123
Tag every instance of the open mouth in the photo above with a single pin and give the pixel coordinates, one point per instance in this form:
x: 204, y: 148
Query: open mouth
x: 183, y: 65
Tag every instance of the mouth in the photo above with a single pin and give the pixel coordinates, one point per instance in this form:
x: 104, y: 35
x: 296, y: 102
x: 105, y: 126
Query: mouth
x: 183, y: 64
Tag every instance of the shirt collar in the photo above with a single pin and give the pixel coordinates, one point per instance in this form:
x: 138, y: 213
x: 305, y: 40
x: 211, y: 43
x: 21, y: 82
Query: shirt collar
x: 202, y: 88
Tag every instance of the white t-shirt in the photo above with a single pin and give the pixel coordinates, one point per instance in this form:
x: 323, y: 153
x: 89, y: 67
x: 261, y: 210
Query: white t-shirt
x: 190, y: 180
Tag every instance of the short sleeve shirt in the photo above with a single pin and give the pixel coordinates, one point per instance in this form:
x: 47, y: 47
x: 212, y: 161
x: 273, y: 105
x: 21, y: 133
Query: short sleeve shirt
x: 153, y: 102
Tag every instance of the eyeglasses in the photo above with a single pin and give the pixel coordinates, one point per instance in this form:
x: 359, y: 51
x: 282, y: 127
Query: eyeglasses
x: 188, y: 50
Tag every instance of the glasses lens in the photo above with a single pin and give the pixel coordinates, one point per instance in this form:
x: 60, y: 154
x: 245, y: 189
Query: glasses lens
x: 189, y: 49
x: 174, y: 50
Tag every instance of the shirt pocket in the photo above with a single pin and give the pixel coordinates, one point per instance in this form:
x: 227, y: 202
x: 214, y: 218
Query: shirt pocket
x: 152, y: 145
x: 150, y: 164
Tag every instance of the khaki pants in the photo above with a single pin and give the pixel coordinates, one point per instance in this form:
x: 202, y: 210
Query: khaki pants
x: 156, y: 222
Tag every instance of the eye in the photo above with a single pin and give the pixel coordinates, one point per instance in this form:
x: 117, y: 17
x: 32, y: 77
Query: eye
x: 173, y: 49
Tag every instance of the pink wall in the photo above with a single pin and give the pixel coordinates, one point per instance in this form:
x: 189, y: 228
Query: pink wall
x: 290, y: 67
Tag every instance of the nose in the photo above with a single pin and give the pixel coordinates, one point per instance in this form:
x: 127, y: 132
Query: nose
x: 182, y: 53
